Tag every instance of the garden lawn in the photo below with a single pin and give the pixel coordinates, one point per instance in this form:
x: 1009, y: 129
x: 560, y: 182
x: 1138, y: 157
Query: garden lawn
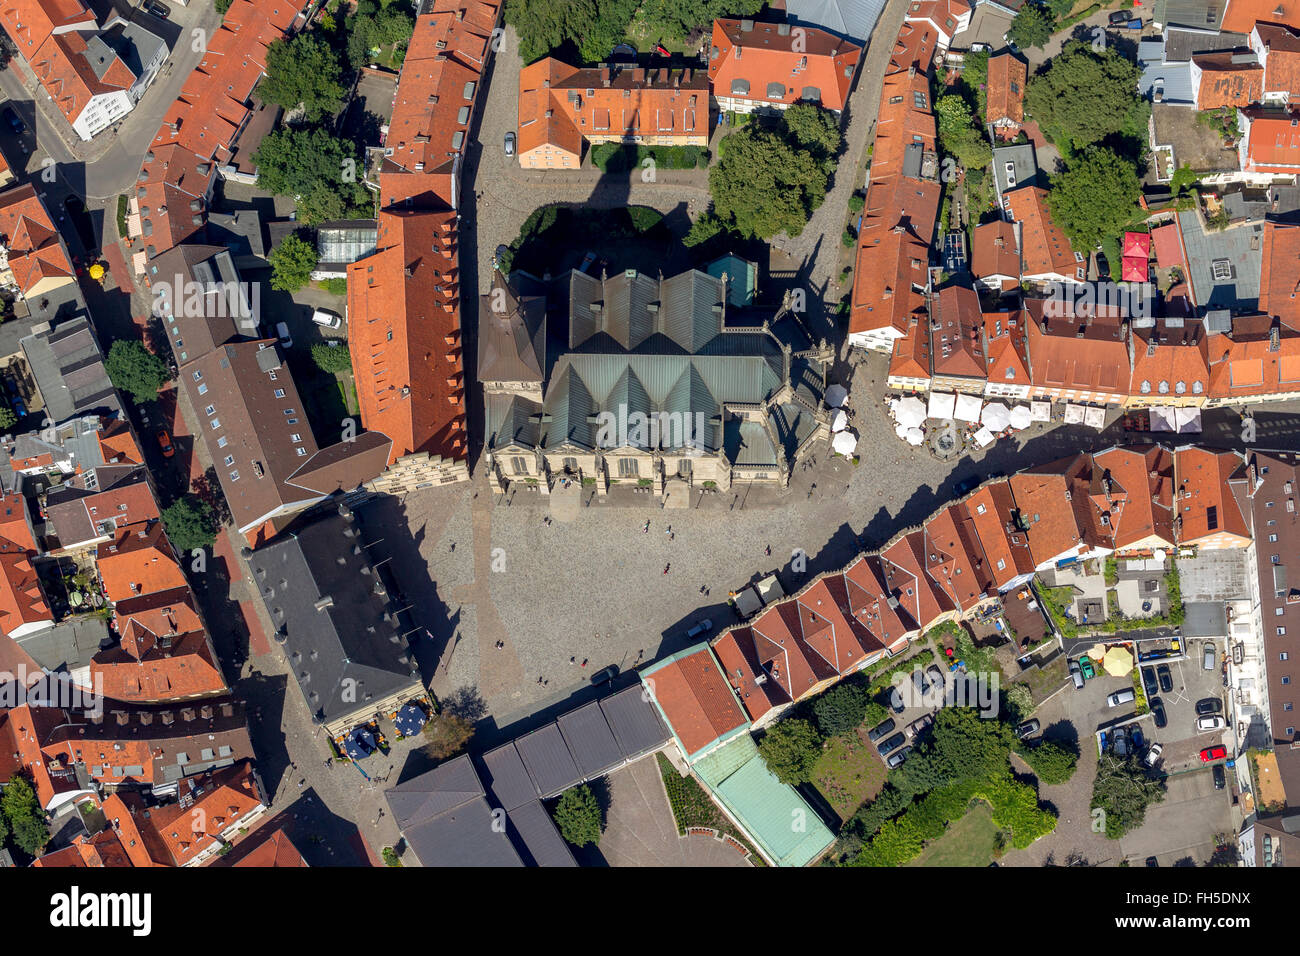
x: 968, y: 842
x: 848, y: 774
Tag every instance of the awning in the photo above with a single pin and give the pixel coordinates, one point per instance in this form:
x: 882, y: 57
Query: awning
x: 1041, y: 411
x: 1095, y: 418
x: 1073, y: 414
x: 983, y: 437
x: 1162, y: 419
x: 942, y: 404
x: 1188, y: 420
x: 968, y: 408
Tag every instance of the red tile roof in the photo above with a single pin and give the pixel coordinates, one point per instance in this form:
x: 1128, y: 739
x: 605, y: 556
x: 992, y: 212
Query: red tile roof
x: 138, y: 561
x: 955, y: 559
x: 1043, y: 247
x: 30, y: 23
x: 1241, y: 15
x: 1004, y: 335
x: 1069, y: 354
x: 63, y: 69
x: 737, y: 653
x: 1045, y: 513
x: 35, y: 251
x: 957, y: 334
x: 1005, y: 99
x: 1227, y: 81
x: 21, y: 599
x: 995, y: 252
x: 1261, y: 356
x: 695, y: 699
x: 272, y: 849
x: 404, y: 334
x: 1281, y: 58
x: 904, y: 567
x: 751, y: 63
x: 1273, y: 142
x: 1170, y: 361
x: 1144, y: 475
x: 911, y: 355
x: 1279, y: 277
x: 1204, y: 505
x: 103, y: 849
x: 991, y: 511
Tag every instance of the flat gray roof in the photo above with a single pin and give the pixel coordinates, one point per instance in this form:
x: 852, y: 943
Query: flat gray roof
x: 507, y: 777
x: 1205, y: 619
x: 635, y: 722
x: 548, y: 760
x: 590, y: 741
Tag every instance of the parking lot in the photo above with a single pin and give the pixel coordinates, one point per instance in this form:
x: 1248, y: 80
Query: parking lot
x: 1191, y: 683
x: 1182, y: 825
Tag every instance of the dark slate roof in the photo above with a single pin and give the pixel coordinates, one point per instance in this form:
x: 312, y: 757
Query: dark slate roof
x: 512, y: 335
x: 548, y: 760
x: 590, y: 740
x: 68, y: 366
x: 541, y: 842
x: 507, y: 777
x: 635, y: 722
x: 446, y: 819
x: 330, y: 613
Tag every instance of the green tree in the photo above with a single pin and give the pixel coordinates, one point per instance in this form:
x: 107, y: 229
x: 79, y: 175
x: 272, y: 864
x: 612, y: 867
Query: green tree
x: 1051, y: 763
x: 304, y: 70
x: 331, y: 358
x: 675, y: 20
x: 135, y: 370
x: 959, y: 137
x: 292, y: 262
x: 446, y: 734
x: 23, y: 813
x: 1086, y: 95
x: 7, y: 418
x: 1096, y: 197
x: 374, y: 30
x: 190, y: 524
x: 578, y: 816
x: 221, y: 6
x: 1032, y: 27
x: 841, y: 709
x: 319, y: 170
x: 595, y: 28
x: 790, y: 748
x: 1124, y: 791
x: 975, y: 77
x: 30, y: 835
x: 1060, y: 9
x: 769, y: 181
x: 703, y: 229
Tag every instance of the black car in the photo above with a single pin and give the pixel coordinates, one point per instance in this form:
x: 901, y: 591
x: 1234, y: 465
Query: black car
x: 1028, y: 729
x: 1118, y: 18
x: 605, y: 675
x: 1210, y: 705
x: 1166, y: 680
x: 1149, y: 682
x: 896, y: 700
x: 1158, y: 712
x: 1220, y: 778
x: 893, y: 743
x: 15, y: 122
x: 154, y: 8
x: 880, y: 730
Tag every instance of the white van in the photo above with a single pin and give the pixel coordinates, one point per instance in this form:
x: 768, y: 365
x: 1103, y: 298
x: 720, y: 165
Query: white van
x: 1125, y: 696
x: 326, y: 319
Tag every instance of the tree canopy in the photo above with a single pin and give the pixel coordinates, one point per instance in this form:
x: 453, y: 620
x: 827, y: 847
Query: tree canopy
x: 675, y: 20
x: 959, y: 135
x: 321, y: 171
x: 292, y: 262
x: 1123, y: 791
x: 371, y: 28
x: 446, y: 734
x: 790, y: 748
x: 331, y: 358
x: 577, y: 814
x: 594, y: 28
x: 22, y: 811
x: 1095, y: 198
x: 1051, y: 762
x: 1085, y: 96
x: 769, y: 180
x: 190, y: 524
x: 1032, y: 27
x: 135, y: 370
x: 303, y: 70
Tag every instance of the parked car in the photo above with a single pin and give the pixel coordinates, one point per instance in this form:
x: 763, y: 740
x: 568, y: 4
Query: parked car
x: 702, y: 628
x: 1212, y: 722
x: 915, y: 728
x: 1210, y: 705
x: 15, y: 122
x: 1089, y: 672
x: 980, y: 48
x: 1103, y: 266
x: 282, y: 331
x: 1119, y: 743
x: 1211, y: 656
x: 510, y: 143
x: 1166, y: 680
x: 892, y: 743
x: 1153, y: 755
x: 327, y: 319
x: 1220, y: 778
x: 1158, y: 712
x: 1136, y: 739
x: 936, y: 676
x: 1213, y: 753
x: 165, y: 443
x: 1028, y: 729
x: 880, y: 730
x: 1134, y: 24
x: 1149, y: 682
x: 1011, y: 44
x: 896, y: 701
x: 1118, y: 17
x: 1158, y: 90
x: 897, y: 757
x: 154, y: 8
x: 1121, y: 697
x: 605, y: 675
x: 1076, y: 674
x: 588, y: 261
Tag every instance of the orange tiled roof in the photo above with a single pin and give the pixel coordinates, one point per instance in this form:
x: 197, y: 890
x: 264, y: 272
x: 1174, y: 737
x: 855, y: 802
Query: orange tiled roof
x: 957, y: 333
x: 1273, y: 142
x: 560, y: 105
x: 120, y: 810
x: 21, y: 599
x: 138, y: 561
x: 1170, y: 361
x: 1044, y: 248
x: 994, y: 251
x: 30, y: 23
x: 404, y: 334
x: 1204, y: 505
x: 954, y: 558
x: 1242, y: 15
x: 1145, y: 475
x: 22, y: 731
x: 1005, y: 100
x: 15, y: 525
x: 737, y: 653
x: 65, y: 72
x: 1260, y: 357
x: 1281, y: 58
x: 752, y: 63
x: 869, y: 596
x: 35, y: 250
x: 904, y: 568
x: 150, y: 668
x: 1045, y: 513
x: 991, y: 511
x: 1077, y: 353
x: 1226, y: 81
x: 1279, y: 278
x: 911, y: 355
x: 695, y: 699
x: 117, y: 445
x: 274, y: 850
x: 1008, y: 361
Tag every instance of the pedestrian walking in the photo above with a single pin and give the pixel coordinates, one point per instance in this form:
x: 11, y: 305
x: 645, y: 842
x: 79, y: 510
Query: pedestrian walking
x: 768, y: 550
x: 573, y: 660
x: 666, y: 567
x: 584, y: 662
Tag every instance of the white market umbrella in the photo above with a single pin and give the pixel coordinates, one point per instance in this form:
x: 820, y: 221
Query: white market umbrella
x: 914, y: 436
x: 845, y: 442
x: 1188, y: 419
x: 840, y: 420
x: 1021, y: 417
x: 901, y: 430
x: 909, y: 411
x: 983, y: 436
x: 1041, y: 411
x: 995, y: 416
x: 1073, y: 414
x: 836, y: 396
x: 941, y: 405
x: 968, y: 408
x: 1095, y: 417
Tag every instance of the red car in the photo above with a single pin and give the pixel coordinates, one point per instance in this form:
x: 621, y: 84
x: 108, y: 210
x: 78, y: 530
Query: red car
x: 165, y: 443
x: 1213, y: 753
